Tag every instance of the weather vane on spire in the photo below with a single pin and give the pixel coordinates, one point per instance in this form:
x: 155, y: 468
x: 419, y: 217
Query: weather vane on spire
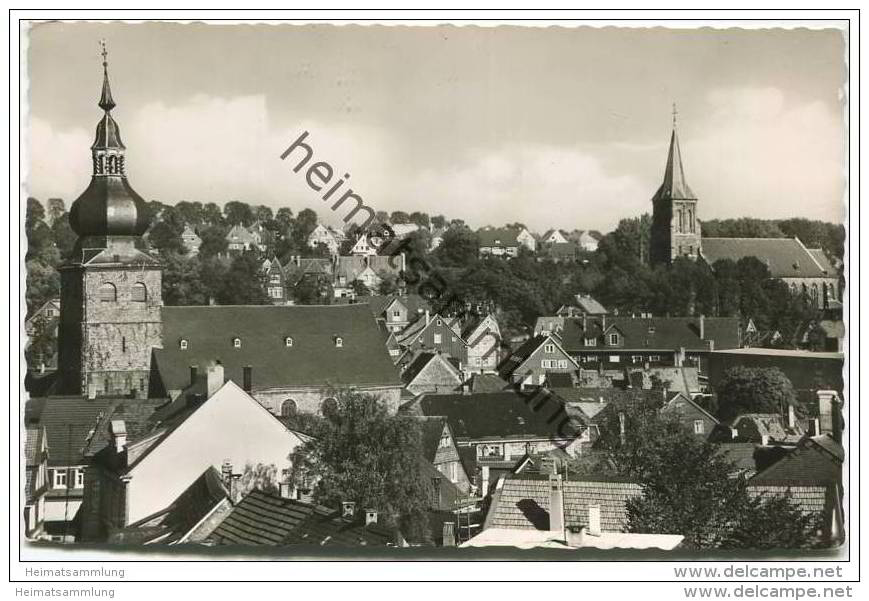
x: 106, y: 101
x: 104, y: 52
x: 675, y: 112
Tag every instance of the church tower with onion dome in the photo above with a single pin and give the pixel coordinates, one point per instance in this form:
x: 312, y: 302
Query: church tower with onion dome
x: 111, y: 289
x: 675, y: 227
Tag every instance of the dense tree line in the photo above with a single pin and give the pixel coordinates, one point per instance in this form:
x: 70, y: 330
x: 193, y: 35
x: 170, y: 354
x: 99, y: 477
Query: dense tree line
x: 520, y: 289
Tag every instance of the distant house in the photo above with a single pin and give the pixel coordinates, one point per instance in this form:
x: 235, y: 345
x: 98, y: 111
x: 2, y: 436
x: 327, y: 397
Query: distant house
x: 553, y: 237
x: 132, y: 478
x: 483, y: 336
x: 274, y: 279
x: 397, y: 311
x: 403, y: 230
x: 503, y: 427
x: 434, y: 333
x: 367, y: 269
x: 263, y: 519
x: 810, y: 477
x: 290, y: 358
x: 530, y: 363
x: 437, y: 237
x: 505, y: 242
x: 440, y: 449
x: 619, y: 341
x: 325, y: 236
x: 765, y: 428
x: 431, y: 372
x: 587, y: 240
x: 36, y: 481
x: 362, y: 247
x: 239, y: 239
x: 564, y: 252
x: 556, y: 513
x: 44, y: 317
x: 298, y: 268
x: 190, y: 240
x: 584, y: 304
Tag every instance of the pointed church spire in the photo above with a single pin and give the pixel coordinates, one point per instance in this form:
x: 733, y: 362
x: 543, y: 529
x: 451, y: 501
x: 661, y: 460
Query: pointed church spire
x: 674, y: 185
x: 106, y: 101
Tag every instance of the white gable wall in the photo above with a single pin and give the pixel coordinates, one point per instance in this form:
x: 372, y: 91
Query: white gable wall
x: 230, y: 425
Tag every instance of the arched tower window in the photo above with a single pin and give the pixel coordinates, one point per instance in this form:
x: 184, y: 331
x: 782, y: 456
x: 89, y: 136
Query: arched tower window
x: 329, y: 407
x: 814, y: 295
x: 108, y: 293
x: 288, y: 408
x: 139, y: 292
x: 681, y: 221
x: 236, y: 342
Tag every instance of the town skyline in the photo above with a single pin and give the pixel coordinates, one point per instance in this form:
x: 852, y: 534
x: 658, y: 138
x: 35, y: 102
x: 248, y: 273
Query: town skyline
x: 781, y: 140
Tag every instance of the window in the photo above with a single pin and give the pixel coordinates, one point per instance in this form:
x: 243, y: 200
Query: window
x: 276, y: 292
x: 394, y: 352
x: 815, y: 295
x: 79, y: 477
x: 440, y: 323
x: 699, y: 427
x: 108, y: 293
x: 437, y: 338
x: 236, y: 342
x: 636, y: 358
x: 275, y: 278
x: 562, y: 364
x: 590, y: 342
x: 138, y: 293
x: 444, y: 441
x: 549, y: 348
x: 339, y: 342
x: 545, y: 364
x: 614, y: 339
x: 288, y: 408
x: 59, y: 479
x: 396, y: 315
x: 614, y: 359
x: 182, y: 344
x: 654, y: 357
x: 288, y: 342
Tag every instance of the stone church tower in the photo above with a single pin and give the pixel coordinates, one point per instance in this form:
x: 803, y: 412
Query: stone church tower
x: 111, y: 290
x: 675, y: 227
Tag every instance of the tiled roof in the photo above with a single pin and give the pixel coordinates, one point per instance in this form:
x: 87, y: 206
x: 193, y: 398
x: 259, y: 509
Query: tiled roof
x: 33, y: 445
x: 171, y: 524
x: 422, y: 360
x: 487, y: 383
x: 496, y: 415
x: 823, y: 261
x: 785, y: 257
x: 68, y: 422
x: 523, y: 502
x: 769, y: 424
x: 740, y: 454
x: 520, y: 355
x: 326, y: 528
x: 415, y: 303
x: 809, y: 498
x: 261, y: 519
x: 312, y: 360
x: 137, y: 415
x: 504, y: 237
x: 809, y: 461
x: 431, y: 429
x: 589, y: 305
x: 652, y: 333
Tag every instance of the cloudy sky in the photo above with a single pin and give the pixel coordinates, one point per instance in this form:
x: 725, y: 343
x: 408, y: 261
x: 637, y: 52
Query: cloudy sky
x: 562, y: 127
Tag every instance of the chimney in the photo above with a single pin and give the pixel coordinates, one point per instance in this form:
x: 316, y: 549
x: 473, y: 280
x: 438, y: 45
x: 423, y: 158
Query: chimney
x: 348, y: 509
x: 792, y: 417
x: 837, y: 421
x: 603, y: 322
x: 247, y: 379
x: 214, y: 379
x: 193, y: 372
x: 556, y: 506
x: 825, y: 409
x: 594, y: 520
x: 92, y: 390
x: 370, y: 516
x: 484, y: 481
x: 584, y: 322
x: 680, y: 357
x: 226, y: 472
x: 119, y: 434
x: 816, y: 427
x: 427, y: 317
x: 702, y: 327
x: 764, y: 440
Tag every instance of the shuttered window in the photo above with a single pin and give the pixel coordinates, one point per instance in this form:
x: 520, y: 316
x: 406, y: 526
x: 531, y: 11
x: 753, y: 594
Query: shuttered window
x: 139, y: 293
x: 108, y: 293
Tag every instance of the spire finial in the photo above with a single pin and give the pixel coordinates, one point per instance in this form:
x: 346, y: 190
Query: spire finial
x: 675, y: 112
x: 106, y: 102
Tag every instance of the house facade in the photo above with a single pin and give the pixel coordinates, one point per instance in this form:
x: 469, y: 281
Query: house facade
x: 325, y: 236
x: 530, y: 364
x: 274, y: 281
x: 483, y: 337
x: 505, y: 242
x: 434, y: 333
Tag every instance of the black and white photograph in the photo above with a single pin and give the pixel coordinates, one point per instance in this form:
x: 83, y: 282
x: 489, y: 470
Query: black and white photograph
x: 440, y: 290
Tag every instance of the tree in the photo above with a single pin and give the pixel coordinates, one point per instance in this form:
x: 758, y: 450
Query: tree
x: 399, y: 217
x: 754, y: 390
x: 284, y: 217
x: 260, y: 477
x: 189, y: 213
x: 313, y: 290
x: 211, y: 214
x: 687, y: 490
x: 460, y: 247
x: 439, y: 221
x: 182, y: 281
x: 165, y: 234
x: 213, y: 240
x: 238, y: 213
x: 420, y: 219
x: 263, y: 213
x: 362, y: 453
x: 359, y: 288
x: 55, y: 209
x: 243, y: 284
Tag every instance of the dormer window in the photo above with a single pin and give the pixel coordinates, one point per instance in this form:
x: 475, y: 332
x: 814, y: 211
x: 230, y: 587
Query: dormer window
x: 590, y: 342
x: 614, y: 339
x: 549, y: 348
x: 182, y: 344
x: 339, y: 342
x: 288, y: 342
x: 236, y: 342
